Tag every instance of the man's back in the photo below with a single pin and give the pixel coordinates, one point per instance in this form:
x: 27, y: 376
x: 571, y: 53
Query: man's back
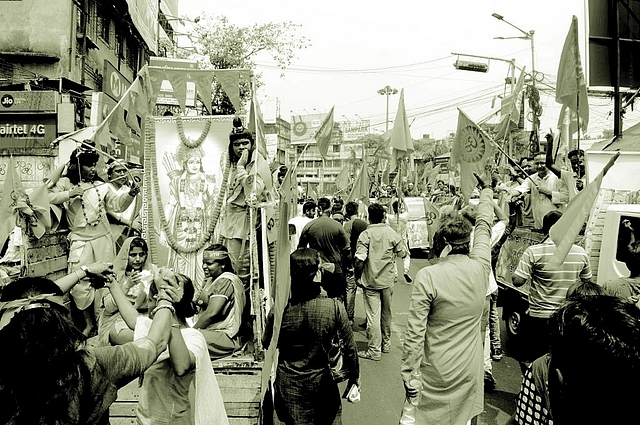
x: 549, y: 285
x: 328, y: 237
x: 380, y: 244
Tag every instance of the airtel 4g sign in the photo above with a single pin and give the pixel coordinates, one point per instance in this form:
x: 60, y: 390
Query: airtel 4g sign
x: 26, y: 131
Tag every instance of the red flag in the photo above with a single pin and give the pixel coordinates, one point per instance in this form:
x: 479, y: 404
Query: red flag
x: 323, y: 135
x: 473, y: 150
x: 565, y: 231
x: 361, y: 186
x: 571, y: 89
x: 401, y: 141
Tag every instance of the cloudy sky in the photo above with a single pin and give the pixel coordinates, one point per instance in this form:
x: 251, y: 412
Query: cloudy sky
x: 361, y: 46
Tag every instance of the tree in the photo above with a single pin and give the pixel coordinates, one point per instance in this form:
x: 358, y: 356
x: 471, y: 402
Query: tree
x: 219, y: 44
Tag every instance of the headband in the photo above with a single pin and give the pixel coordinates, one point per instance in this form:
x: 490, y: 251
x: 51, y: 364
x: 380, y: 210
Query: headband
x: 10, y: 308
x: 215, y: 255
x: 460, y: 241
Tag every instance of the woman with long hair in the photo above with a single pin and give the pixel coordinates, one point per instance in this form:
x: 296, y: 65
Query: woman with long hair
x: 305, y: 392
x: 49, y: 376
x: 164, y: 393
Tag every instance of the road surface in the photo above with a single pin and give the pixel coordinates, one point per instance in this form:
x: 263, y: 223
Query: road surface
x: 382, y: 392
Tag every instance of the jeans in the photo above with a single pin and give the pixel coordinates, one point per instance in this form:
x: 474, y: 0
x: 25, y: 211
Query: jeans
x: 494, y: 323
x: 377, y: 306
x: 351, y: 295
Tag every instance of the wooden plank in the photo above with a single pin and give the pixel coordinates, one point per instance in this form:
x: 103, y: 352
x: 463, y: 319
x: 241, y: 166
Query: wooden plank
x: 243, y: 421
x: 242, y: 409
x: 122, y: 421
x: 126, y: 409
x: 46, y: 267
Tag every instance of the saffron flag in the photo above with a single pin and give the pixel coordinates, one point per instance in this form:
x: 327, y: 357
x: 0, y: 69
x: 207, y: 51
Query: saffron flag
x: 342, y: 180
x: 360, y: 188
x: 571, y: 89
x: 473, y: 151
x: 39, y: 200
x: 510, y: 108
x: 432, y: 217
x: 323, y: 135
x: 433, y: 176
x: 282, y: 274
x: 13, y: 197
x: 427, y: 170
x: 256, y: 126
x: 401, y: 141
x: 567, y: 228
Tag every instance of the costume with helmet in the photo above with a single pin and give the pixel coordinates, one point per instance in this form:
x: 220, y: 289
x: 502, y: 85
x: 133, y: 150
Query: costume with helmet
x: 192, y: 194
x: 90, y: 235
x: 250, y: 182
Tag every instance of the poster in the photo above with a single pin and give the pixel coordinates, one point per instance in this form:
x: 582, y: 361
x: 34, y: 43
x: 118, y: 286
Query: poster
x: 183, y: 176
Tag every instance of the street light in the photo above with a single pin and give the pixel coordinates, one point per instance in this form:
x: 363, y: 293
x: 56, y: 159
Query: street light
x: 387, y: 91
x: 345, y: 117
x: 525, y: 36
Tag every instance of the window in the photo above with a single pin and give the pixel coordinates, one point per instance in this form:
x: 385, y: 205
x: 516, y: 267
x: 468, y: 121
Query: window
x: 335, y: 148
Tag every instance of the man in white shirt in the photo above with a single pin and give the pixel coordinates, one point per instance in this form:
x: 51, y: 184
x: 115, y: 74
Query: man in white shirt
x: 296, y: 224
x: 548, y: 193
x: 574, y: 179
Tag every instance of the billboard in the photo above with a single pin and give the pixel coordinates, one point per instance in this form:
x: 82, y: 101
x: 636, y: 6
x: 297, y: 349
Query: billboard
x: 355, y: 129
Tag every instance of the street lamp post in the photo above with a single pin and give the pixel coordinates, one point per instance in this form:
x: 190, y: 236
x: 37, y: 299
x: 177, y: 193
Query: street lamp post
x: 387, y: 91
x: 534, y: 145
x: 525, y: 36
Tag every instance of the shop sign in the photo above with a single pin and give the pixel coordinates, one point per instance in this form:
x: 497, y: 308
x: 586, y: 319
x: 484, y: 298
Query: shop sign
x: 28, y: 101
x: 27, y: 131
x: 114, y: 83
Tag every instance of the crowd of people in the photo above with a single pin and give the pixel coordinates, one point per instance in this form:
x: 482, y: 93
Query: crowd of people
x: 165, y: 324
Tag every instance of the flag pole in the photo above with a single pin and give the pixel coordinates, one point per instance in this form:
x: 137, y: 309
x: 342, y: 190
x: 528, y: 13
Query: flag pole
x: 509, y: 158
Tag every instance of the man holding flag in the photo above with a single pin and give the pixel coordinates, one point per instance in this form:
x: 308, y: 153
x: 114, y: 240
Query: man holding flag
x: 554, y: 265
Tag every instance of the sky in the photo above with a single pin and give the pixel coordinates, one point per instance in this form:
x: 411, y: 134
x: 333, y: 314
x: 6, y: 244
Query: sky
x: 358, y: 47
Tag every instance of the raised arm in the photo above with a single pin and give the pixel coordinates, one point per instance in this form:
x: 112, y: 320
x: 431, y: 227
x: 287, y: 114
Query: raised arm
x: 549, y: 162
x: 96, y: 270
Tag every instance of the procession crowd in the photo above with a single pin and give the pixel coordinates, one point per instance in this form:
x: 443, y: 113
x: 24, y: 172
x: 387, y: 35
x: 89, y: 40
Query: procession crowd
x: 165, y: 324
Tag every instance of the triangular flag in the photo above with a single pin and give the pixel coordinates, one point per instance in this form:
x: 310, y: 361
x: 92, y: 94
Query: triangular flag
x: 39, y: 200
x: 131, y: 114
x: 229, y: 80
x: 256, y: 126
x: 282, y: 284
x: 11, y: 192
x: 571, y: 89
x: 401, y: 141
x: 151, y: 81
x: 178, y: 80
x: 433, y: 176
x: 361, y: 186
x: 342, y: 179
x: 323, y: 135
x: 432, y: 217
x: 472, y: 150
x: 510, y: 108
x: 203, y: 81
x: 426, y: 172
x: 567, y: 228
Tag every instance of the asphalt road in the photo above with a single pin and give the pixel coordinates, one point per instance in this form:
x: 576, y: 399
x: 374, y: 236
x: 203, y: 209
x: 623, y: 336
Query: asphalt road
x: 382, y: 392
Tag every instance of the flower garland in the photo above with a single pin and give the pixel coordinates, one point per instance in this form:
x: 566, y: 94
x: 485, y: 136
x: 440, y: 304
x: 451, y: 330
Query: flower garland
x: 205, y: 236
x: 100, y: 207
x: 188, y: 141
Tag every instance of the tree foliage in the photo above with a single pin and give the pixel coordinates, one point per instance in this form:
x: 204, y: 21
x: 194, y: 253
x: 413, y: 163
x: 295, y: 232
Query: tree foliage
x: 219, y: 44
